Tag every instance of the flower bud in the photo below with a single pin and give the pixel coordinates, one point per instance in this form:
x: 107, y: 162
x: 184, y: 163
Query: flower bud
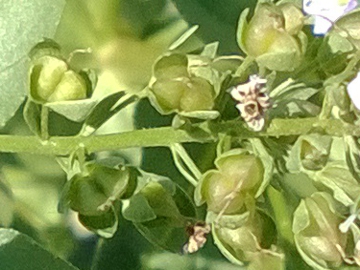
x: 251, y: 242
x: 51, y: 80
x: 316, y: 231
x: 271, y: 36
x: 293, y: 18
x: 175, y: 89
x: 94, y: 193
x: 309, y: 153
x: 238, y: 173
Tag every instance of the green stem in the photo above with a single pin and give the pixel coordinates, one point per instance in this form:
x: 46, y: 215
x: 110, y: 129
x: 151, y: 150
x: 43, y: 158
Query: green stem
x: 44, y: 123
x: 166, y: 136
x: 81, y: 158
x: 187, y: 160
x: 248, y: 61
x: 326, y: 106
x: 180, y: 166
x: 282, y: 214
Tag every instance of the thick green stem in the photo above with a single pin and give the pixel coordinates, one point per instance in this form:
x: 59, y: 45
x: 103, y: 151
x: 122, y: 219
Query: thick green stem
x: 166, y: 136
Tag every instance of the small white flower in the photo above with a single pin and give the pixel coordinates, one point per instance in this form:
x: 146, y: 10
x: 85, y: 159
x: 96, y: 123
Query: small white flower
x: 353, y: 90
x: 326, y: 12
x: 253, y: 101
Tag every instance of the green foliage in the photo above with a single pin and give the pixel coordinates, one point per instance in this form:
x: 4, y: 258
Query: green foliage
x: 139, y: 113
x: 160, y: 210
x: 16, y: 249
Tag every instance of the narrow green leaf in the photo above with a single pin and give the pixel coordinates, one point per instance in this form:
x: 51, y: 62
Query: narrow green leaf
x: 181, y: 40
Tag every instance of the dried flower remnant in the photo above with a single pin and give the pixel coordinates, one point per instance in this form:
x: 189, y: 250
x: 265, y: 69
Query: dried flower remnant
x: 197, y: 237
x: 253, y: 101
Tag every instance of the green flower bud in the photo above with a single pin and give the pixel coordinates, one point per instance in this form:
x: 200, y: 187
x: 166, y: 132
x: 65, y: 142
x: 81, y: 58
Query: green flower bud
x: 309, y: 153
x: 238, y: 173
x: 250, y: 242
x: 272, y: 36
x: 198, y: 96
x: 71, y: 87
x: 85, y: 197
x: 175, y: 89
x: 316, y: 232
x: 45, y: 74
x: 94, y: 194
x: 51, y: 80
x: 293, y: 18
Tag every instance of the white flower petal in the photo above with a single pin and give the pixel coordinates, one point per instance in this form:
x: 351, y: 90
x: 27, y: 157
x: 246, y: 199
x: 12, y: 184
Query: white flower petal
x: 321, y: 25
x: 353, y: 90
x: 318, y: 7
x: 326, y: 11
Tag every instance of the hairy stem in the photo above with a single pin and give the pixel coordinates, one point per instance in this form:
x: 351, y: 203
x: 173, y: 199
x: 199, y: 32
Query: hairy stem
x: 44, y: 123
x: 166, y: 136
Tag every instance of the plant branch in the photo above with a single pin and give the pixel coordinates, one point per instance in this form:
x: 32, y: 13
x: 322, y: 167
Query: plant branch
x: 166, y: 136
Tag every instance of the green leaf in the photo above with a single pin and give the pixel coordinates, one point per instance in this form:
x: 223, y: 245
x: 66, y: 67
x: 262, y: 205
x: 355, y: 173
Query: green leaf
x: 241, y: 29
x: 228, y: 221
x: 181, y: 40
x: 160, y: 200
x: 348, y: 26
x: 7, y: 205
x: 210, y: 50
x: 334, y: 52
x: 160, y: 211
x: 137, y: 209
x: 166, y: 261
x: 293, y: 91
x: 35, y: 20
x: 74, y: 110
x: 18, y: 252
x: 287, y: 60
x: 337, y: 177
x: 105, y: 109
x: 32, y: 114
x: 352, y: 156
x: 268, y: 163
